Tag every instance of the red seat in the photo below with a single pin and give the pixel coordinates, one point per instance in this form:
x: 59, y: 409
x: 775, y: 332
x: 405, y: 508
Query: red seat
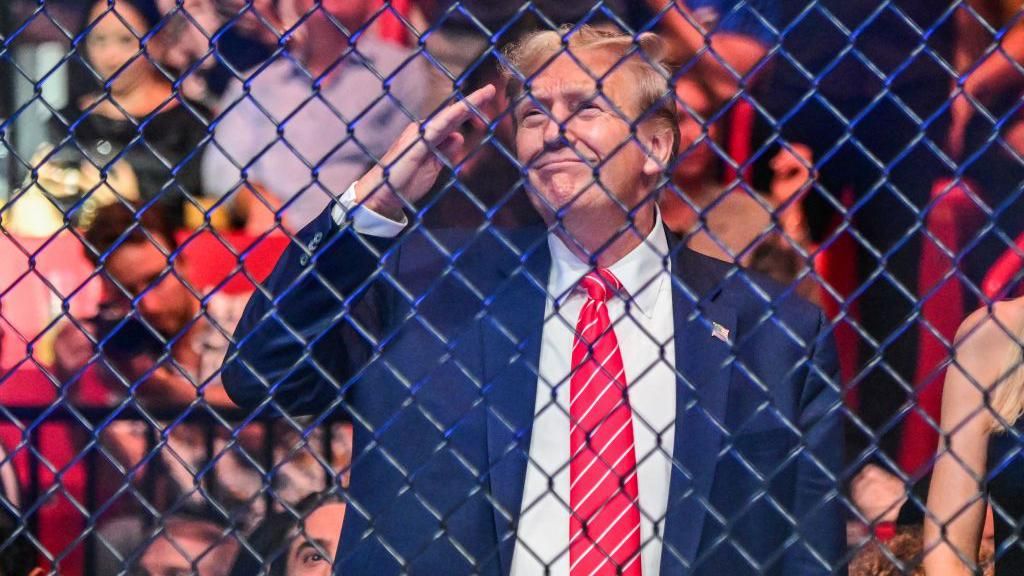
x: 1001, y: 281
x: 952, y: 219
x: 43, y: 464
x: 227, y: 261
x: 390, y: 27
x: 834, y: 264
x: 39, y: 277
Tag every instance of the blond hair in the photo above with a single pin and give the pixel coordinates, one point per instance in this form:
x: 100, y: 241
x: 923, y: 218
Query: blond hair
x: 1006, y: 401
x: 642, y: 55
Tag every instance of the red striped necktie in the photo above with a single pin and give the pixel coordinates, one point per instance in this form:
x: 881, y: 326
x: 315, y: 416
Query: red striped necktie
x: 604, y: 527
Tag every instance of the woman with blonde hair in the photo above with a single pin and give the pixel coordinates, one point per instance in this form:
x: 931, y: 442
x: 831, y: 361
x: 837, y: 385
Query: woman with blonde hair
x: 980, y: 450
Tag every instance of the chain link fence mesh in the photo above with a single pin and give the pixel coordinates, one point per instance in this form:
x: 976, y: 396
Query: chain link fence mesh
x: 217, y: 354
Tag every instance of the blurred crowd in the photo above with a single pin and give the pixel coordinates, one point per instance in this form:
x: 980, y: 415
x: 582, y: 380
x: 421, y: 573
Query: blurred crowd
x: 250, y: 117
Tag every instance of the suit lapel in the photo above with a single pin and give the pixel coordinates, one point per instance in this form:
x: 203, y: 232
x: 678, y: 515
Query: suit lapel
x: 702, y: 329
x: 512, y: 331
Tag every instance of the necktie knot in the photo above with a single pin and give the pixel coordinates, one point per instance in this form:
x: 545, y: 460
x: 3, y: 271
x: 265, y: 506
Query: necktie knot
x: 600, y: 284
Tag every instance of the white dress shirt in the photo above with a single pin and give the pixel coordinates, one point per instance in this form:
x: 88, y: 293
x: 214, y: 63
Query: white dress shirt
x: 644, y: 328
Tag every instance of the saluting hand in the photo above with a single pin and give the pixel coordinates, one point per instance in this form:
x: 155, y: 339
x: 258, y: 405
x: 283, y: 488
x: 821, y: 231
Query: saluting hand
x: 411, y: 164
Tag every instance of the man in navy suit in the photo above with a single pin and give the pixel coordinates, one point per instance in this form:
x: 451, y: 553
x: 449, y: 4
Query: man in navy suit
x: 587, y: 398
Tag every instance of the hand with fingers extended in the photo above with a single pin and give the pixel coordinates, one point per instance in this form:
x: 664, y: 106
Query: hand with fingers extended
x: 409, y: 168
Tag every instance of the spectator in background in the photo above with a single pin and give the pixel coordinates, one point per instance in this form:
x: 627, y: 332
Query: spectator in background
x: 986, y: 134
x: 880, y: 497
x: 298, y: 542
x: 722, y: 41
x: 990, y: 67
x: 306, y: 125
x: 158, y: 339
x: 184, y: 544
x: 138, y: 129
x: 730, y: 221
x: 979, y: 459
x: 872, y: 115
x: 213, y: 40
x: 895, y: 513
x: 163, y: 337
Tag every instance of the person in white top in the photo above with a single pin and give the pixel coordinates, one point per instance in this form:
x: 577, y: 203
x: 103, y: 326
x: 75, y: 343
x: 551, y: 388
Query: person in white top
x: 468, y: 362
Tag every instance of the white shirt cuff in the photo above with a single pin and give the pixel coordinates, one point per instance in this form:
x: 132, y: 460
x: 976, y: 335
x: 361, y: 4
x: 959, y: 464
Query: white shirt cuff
x: 364, y: 220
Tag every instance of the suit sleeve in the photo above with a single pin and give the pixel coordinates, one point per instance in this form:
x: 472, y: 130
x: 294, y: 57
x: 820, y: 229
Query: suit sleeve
x: 818, y: 510
x: 288, y: 351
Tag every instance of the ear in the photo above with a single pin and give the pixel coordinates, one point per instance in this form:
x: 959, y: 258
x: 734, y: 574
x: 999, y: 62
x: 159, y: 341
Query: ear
x: 36, y: 572
x: 657, y: 142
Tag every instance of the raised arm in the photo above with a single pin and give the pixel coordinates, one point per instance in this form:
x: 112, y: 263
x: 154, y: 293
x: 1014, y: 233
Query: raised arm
x: 986, y: 76
x: 288, y: 345
x: 956, y: 499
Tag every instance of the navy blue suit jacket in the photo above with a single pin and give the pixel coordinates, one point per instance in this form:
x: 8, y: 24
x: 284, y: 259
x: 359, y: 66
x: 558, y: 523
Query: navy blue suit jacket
x: 430, y: 343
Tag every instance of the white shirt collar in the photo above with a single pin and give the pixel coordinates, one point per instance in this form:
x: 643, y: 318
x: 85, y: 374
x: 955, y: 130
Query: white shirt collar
x: 641, y: 271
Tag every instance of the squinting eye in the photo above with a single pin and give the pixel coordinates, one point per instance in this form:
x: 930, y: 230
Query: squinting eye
x: 313, y: 558
x: 532, y: 117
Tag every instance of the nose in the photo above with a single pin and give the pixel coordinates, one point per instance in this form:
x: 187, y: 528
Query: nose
x: 557, y: 132
x: 105, y: 59
x: 552, y: 133
x: 149, y: 307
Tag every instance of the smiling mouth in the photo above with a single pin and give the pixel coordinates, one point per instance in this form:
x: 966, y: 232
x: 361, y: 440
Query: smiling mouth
x: 556, y: 163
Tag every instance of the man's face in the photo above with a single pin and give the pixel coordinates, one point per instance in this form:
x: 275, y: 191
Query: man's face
x: 166, y: 303
x: 311, y: 553
x: 569, y: 128
x: 177, y: 558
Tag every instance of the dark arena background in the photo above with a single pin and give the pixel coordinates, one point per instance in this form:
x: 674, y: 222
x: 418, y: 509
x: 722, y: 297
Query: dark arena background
x: 417, y: 247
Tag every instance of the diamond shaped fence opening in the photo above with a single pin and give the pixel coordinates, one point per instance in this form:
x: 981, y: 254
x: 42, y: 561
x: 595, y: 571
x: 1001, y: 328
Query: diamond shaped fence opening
x: 461, y: 287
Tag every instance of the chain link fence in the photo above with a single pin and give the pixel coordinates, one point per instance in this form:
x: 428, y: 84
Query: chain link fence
x: 467, y: 287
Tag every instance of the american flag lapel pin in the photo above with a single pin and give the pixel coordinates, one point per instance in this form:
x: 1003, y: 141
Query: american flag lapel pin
x: 720, y: 332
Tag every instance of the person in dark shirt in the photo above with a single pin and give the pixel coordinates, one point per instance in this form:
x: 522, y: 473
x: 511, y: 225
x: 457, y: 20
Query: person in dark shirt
x: 137, y: 120
x: 864, y: 85
x: 17, y: 554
